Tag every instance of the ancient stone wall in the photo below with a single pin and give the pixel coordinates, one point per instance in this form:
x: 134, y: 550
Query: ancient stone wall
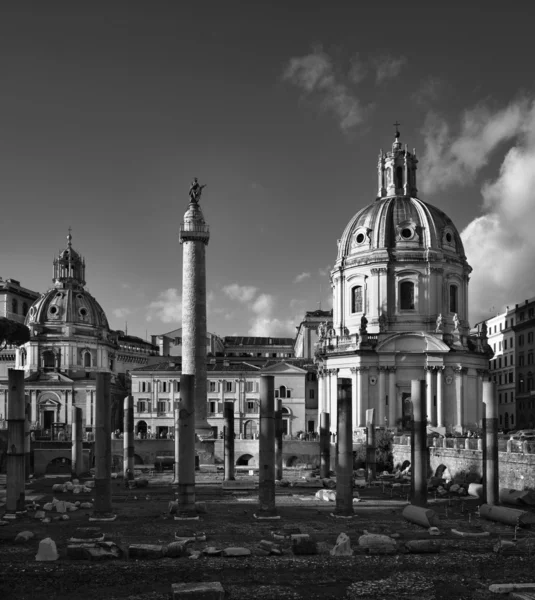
x: 517, y: 471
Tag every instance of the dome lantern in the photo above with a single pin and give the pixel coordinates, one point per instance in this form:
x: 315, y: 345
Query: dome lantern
x: 69, y: 267
x: 397, y: 171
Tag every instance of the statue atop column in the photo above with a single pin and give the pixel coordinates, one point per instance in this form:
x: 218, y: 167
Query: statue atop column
x: 440, y: 324
x: 195, y: 191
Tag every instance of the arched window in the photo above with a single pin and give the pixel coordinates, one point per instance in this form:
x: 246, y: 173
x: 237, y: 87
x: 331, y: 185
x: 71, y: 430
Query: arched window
x: 87, y: 359
x: 406, y: 295
x: 282, y: 391
x: 14, y: 306
x: 453, y: 298
x: 399, y: 177
x: 23, y: 358
x: 356, y: 299
x: 24, y: 309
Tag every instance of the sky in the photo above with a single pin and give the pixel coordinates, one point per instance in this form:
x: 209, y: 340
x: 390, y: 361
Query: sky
x: 109, y: 109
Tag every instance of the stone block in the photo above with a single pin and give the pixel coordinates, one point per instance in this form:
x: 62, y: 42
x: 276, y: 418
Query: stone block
x: 342, y: 546
x: 377, y: 544
x: 235, y: 551
x: 475, y: 490
x: 23, y: 537
x: 61, y: 507
x: 212, y: 590
x: 421, y: 516
x: 39, y: 514
x: 509, y: 516
x: 176, y: 550
x: 145, y: 551
x: 47, y: 551
x: 326, y: 495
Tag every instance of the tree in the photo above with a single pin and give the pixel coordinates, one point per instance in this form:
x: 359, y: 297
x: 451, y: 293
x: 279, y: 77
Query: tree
x: 12, y: 333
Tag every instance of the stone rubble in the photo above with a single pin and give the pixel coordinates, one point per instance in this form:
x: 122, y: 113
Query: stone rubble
x: 47, y: 551
x: 342, y: 546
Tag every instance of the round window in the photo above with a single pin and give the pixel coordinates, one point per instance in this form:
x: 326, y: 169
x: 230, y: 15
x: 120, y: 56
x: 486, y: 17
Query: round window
x: 83, y: 312
x: 360, y: 238
x: 53, y: 310
x: 449, y: 237
x: 406, y: 233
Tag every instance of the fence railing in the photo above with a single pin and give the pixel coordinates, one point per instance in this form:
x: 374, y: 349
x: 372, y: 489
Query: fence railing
x: 466, y: 443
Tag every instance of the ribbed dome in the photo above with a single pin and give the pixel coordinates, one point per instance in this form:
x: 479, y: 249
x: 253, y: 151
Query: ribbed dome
x: 67, y: 306
x: 400, y: 223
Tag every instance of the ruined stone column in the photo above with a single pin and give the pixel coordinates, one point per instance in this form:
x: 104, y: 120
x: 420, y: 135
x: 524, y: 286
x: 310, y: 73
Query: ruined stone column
x: 491, y: 480
x: 27, y: 438
x: 266, y: 473
x: 186, y: 443
x: 128, y: 438
x: 176, y: 416
x: 278, y: 439
x: 419, y: 444
x: 229, y: 441
x: 371, y: 460
x: 325, y: 445
x: 440, y: 402
x: 15, y: 453
x: 103, y: 506
x: 77, y: 456
x: 344, y: 468
x: 429, y: 396
x: 194, y: 237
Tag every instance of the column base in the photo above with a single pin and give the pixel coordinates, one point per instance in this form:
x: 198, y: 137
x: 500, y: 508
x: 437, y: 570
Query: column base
x: 342, y: 515
x: 203, y: 430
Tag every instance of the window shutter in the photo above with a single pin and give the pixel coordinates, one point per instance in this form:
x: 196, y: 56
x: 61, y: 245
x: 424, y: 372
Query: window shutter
x: 149, y: 406
x: 220, y: 407
x: 139, y: 407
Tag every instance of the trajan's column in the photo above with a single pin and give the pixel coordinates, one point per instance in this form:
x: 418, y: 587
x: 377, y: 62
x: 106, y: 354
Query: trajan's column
x: 194, y: 236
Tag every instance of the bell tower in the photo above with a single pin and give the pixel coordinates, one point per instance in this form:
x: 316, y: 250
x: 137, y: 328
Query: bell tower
x: 397, y: 171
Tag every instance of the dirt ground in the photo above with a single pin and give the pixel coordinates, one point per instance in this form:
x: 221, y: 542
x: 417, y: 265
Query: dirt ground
x: 464, y: 568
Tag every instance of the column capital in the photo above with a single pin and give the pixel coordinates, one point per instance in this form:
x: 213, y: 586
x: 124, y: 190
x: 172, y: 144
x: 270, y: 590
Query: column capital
x: 392, y: 369
x: 353, y: 369
x: 333, y: 371
x: 459, y: 369
x: 362, y: 368
x: 429, y: 368
x: 382, y: 368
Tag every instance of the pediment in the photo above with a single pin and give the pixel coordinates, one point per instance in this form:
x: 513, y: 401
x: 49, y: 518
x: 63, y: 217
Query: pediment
x: 49, y: 377
x: 412, y: 342
x: 283, y: 367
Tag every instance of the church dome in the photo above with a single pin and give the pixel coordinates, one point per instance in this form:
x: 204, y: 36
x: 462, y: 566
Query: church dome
x: 68, y: 302
x: 400, y: 223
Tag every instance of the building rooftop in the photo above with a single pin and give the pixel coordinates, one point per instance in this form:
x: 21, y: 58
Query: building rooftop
x: 257, y: 341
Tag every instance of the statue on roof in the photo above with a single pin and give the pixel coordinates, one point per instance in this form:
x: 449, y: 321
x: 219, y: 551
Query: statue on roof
x: 195, y: 191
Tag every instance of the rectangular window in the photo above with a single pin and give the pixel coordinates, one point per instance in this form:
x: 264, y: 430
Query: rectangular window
x: 288, y: 393
x: 453, y: 298
x: 531, y: 313
x: 499, y: 398
x: 212, y: 407
x: 500, y: 363
x: 212, y: 386
x: 356, y: 299
x: 520, y: 340
x: 249, y: 386
x: 505, y: 361
x: 505, y: 344
x: 228, y: 386
x: 530, y: 337
x: 522, y: 315
x: 162, y: 407
x: 530, y: 358
x: 500, y: 379
x: 510, y: 376
x: 251, y: 406
x: 311, y: 394
x: 164, y: 386
x: 521, y: 360
x: 406, y: 293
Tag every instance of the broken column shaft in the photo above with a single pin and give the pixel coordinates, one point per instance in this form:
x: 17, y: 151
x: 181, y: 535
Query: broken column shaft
x: 344, y: 468
x: 229, y: 441
x: 371, y: 460
x: 15, y: 454
x: 419, y: 444
x: 491, y: 480
x: 27, y: 436
x: 266, y: 474
x: 186, y: 445
x: 103, y: 506
x: 278, y: 439
x: 325, y: 445
x: 77, y: 451
x: 128, y: 438
x: 176, y: 425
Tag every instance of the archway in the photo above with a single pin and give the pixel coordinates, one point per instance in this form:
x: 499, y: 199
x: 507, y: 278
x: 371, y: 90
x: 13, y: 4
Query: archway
x: 286, y: 416
x: 59, y: 466
x: 141, y: 428
x: 250, y: 428
x: 244, y: 460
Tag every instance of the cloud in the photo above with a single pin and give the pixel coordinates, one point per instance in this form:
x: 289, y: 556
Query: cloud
x: 499, y: 244
x: 263, y: 305
x: 388, y: 67
x: 272, y: 326
x: 315, y: 75
x: 121, y: 313
x: 167, y: 308
x: 429, y: 91
x: 450, y: 158
x: 324, y: 271
x: 301, y: 277
x: 241, y: 293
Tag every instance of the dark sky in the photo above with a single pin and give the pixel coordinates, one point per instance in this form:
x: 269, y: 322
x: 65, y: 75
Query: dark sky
x: 109, y: 109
